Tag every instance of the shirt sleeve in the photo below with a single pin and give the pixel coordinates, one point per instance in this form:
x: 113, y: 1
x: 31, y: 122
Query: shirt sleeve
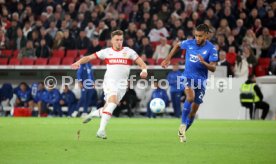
x: 183, y: 44
x: 102, y: 54
x: 213, y: 57
x: 132, y: 54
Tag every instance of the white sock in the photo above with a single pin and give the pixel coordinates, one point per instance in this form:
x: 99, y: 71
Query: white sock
x: 106, y: 115
x: 97, y: 113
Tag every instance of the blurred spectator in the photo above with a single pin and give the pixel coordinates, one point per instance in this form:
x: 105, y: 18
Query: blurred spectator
x: 273, y: 63
x: 257, y: 28
x: 94, y: 46
x: 40, y: 99
x: 58, y: 41
x: 52, y: 30
x: 131, y: 44
x: 20, y: 41
x: 162, y: 50
x: 223, y: 62
x: 89, y: 29
x: 86, y: 79
x: 231, y: 55
x: 24, y: 97
x: 68, y: 99
x: 27, y: 28
x: 266, y: 41
x: 52, y: 99
x: 158, y: 32
x: 43, y: 50
x: 27, y: 51
x: 175, y: 90
x: 82, y: 42
x: 241, y: 67
x: 131, y: 31
x: 146, y: 48
x: 4, y: 41
x: 68, y: 41
x: 44, y: 35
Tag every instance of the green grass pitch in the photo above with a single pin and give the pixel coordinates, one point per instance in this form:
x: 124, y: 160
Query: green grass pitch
x: 55, y: 140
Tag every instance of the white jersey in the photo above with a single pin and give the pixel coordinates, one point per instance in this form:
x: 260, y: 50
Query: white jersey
x: 117, y: 69
x: 117, y: 62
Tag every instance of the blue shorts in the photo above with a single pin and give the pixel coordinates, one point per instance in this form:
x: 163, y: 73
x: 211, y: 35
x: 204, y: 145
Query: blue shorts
x: 198, y: 87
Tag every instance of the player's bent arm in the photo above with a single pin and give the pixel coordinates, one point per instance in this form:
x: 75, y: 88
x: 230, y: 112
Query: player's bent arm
x: 173, y: 51
x: 143, y: 66
x: 211, y: 66
x: 165, y: 63
x: 86, y: 59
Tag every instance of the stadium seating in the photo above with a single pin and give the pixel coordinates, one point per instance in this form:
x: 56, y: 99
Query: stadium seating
x: 264, y: 62
x: 27, y: 61
x: 7, y: 53
x: 177, y: 60
x: 15, y: 53
x: 54, y: 61
x: 67, y: 61
x: 151, y: 61
x: 159, y: 61
x: 4, y: 61
x: 58, y: 53
x: 82, y: 52
x: 72, y: 53
x: 14, y: 61
x: 41, y: 61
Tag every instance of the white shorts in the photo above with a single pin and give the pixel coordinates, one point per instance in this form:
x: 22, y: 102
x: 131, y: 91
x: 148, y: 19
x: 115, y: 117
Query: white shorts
x: 111, y: 88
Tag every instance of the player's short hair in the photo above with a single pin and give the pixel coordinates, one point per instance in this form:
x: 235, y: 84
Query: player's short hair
x: 117, y: 32
x: 203, y: 27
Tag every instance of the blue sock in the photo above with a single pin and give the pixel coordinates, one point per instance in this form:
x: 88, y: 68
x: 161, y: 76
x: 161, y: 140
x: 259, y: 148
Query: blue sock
x: 186, y: 112
x: 189, y: 122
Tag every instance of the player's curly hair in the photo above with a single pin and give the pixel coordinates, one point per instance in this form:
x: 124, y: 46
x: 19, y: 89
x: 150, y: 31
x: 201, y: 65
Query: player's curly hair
x: 203, y: 27
x: 116, y: 32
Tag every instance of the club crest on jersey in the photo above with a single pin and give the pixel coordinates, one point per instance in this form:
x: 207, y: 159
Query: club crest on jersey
x: 194, y: 58
x: 124, y: 54
x: 204, y: 53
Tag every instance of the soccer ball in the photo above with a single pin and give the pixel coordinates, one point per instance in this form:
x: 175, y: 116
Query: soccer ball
x: 157, y: 105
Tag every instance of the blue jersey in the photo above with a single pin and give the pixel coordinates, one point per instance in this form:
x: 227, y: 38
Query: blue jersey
x: 68, y: 97
x: 53, y: 96
x: 24, y: 96
x: 85, y: 72
x: 41, y: 95
x: 193, y: 68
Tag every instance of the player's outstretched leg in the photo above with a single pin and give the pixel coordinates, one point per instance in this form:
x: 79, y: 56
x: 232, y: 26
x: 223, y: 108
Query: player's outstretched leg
x: 185, y: 114
x: 106, y: 115
x: 96, y: 113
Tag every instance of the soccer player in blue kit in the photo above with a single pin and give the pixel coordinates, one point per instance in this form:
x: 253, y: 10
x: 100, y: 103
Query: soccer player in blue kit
x: 201, y: 56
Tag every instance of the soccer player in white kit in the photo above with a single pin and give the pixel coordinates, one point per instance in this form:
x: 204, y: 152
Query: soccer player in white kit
x: 118, y: 60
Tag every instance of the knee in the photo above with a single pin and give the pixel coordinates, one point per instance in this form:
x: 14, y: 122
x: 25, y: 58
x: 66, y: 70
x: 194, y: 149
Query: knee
x: 190, y: 99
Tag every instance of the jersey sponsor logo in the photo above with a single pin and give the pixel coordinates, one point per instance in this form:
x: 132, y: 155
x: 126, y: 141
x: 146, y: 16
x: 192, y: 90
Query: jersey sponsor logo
x: 194, y: 58
x: 190, y: 48
x: 118, y: 61
x: 215, y: 54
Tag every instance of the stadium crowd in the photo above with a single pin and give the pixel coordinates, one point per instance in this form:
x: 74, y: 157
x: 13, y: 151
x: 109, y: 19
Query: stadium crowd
x: 244, y: 30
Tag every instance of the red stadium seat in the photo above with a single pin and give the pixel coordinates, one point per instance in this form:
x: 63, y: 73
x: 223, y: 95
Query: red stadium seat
x: 14, y: 61
x: 82, y: 52
x: 151, y: 61
x: 4, y: 61
x: 58, y: 53
x: 41, y: 61
x: 159, y: 61
x: 67, y: 61
x: 27, y: 61
x: 54, y: 61
x: 95, y: 62
x: 260, y: 71
x: 15, y: 53
x: 264, y: 62
x: 72, y: 53
x: 6, y: 53
x: 177, y: 60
